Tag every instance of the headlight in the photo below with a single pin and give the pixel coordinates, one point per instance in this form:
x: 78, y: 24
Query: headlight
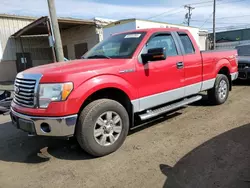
x: 53, y: 92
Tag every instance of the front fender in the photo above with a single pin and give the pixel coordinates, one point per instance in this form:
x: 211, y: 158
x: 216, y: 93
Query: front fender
x: 87, y: 88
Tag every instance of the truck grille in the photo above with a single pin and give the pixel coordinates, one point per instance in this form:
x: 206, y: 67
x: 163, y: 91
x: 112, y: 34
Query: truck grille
x: 24, y: 92
x: 242, y: 65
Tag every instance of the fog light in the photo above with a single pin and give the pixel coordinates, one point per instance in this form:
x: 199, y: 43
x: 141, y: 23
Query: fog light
x: 45, y: 127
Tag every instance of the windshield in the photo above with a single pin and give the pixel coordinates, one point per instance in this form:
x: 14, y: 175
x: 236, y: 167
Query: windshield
x: 243, y: 50
x: 117, y: 46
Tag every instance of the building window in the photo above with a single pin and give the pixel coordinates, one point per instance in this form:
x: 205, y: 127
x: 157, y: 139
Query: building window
x: 80, y: 50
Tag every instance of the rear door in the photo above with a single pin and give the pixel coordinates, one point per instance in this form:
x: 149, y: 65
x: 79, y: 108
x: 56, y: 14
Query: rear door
x: 160, y: 81
x: 192, y: 64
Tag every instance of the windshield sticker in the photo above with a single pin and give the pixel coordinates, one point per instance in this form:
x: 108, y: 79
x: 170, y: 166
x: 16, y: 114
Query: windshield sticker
x: 132, y: 36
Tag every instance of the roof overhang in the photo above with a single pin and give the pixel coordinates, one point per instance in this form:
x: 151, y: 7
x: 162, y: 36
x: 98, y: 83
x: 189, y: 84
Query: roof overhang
x: 39, y: 26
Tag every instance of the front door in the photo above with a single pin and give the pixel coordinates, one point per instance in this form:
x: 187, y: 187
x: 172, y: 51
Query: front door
x: 160, y: 81
x: 23, y: 61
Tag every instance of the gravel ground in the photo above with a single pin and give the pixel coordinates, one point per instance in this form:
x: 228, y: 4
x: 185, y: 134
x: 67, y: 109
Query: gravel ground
x: 199, y: 146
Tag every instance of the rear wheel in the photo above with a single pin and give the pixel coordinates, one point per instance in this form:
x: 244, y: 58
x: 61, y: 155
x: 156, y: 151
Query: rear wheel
x: 219, y: 93
x: 102, y: 127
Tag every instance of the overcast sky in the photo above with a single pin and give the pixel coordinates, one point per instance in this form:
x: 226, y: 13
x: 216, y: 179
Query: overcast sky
x: 171, y: 11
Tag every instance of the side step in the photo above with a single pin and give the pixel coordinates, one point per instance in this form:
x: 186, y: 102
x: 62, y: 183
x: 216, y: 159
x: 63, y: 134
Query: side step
x: 162, y: 110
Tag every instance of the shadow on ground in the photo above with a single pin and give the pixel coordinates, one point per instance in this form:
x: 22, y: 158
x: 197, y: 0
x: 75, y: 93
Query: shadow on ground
x: 203, y: 102
x: 241, y: 83
x: 16, y: 146
x: 223, y: 161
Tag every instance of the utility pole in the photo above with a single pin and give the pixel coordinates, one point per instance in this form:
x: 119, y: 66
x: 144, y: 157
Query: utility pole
x: 214, y: 34
x: 56, y: 31
x: 189, y: 14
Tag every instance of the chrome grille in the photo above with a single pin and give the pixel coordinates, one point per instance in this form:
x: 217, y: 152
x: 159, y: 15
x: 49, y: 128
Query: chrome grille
x: 24, y: 92
x: 242, y: 65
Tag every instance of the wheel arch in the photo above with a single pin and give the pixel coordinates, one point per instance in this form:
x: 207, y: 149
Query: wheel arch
x: 226, y: 71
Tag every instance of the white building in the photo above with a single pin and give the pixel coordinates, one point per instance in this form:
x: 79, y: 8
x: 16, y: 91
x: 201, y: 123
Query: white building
x: 24, y: 41
x: 200, y: 36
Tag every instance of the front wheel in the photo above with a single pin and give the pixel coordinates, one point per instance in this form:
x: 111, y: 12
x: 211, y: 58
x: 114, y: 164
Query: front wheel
x: 102, y: 127
x: 219, y: 93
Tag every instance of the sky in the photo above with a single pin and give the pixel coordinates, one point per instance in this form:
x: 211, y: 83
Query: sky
x: 229, y: 13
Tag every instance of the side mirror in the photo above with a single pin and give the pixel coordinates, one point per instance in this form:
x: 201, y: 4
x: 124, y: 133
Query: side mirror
x: 154, y: 54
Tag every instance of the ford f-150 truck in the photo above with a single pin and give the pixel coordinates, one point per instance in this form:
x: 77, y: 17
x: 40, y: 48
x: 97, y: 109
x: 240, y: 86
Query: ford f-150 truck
x: 129, y: 76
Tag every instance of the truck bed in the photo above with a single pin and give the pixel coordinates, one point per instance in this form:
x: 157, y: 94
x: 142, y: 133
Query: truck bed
x: 212, y: 57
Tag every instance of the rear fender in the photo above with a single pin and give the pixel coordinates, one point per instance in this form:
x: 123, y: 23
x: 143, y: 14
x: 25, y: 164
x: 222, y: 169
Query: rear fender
x: 222, y: 63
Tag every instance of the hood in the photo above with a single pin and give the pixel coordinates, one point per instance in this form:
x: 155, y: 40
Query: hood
x: 76, y: 66
x: 78, y: 71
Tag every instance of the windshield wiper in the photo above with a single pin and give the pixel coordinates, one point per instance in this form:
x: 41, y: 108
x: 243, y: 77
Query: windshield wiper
x: 98, y: 56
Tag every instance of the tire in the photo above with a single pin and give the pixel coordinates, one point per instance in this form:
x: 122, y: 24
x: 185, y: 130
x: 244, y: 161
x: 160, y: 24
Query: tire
x: 219, y: 93
x: 88, y: 128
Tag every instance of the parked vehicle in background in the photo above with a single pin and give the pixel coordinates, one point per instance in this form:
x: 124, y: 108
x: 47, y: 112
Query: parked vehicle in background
x: 244, y: 61
x: 5, y: 101
x: 133, y: 75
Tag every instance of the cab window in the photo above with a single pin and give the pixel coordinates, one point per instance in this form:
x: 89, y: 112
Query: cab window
x: 162, y: 41
x: 187, y: 44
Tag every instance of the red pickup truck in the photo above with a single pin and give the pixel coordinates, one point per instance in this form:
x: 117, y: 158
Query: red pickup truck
x: 133, y: 75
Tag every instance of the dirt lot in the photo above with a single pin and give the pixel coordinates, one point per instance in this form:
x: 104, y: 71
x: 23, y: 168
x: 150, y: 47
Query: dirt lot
x: 199, y: 146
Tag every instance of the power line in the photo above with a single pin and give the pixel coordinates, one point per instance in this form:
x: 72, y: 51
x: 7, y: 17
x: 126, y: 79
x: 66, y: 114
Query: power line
x: 202, y: 2
x: 218, y: 22
x: 224, y: 18
x: 206, y: 20
x: 233, y: 17
x: 170, y: 11
x: 174, y: 9
x: 227, y: 2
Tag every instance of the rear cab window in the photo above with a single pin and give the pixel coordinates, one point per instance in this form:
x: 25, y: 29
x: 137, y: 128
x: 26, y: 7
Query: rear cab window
x: 187, y: 43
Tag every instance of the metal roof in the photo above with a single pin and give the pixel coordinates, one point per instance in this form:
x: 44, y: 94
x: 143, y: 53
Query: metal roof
x: 39, y: 27
x: 17, y: 17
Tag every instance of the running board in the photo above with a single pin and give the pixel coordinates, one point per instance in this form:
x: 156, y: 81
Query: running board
x: 174, y: 106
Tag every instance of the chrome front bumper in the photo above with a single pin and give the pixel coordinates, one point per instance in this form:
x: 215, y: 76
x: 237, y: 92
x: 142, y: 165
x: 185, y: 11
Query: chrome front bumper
x: 45, y: 126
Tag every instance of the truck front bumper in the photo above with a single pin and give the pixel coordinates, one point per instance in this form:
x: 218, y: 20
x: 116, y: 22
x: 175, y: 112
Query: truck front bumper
x: 45, y: 126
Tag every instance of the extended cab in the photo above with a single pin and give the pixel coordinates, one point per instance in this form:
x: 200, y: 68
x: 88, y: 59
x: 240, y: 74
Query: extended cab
x: 133, y: 75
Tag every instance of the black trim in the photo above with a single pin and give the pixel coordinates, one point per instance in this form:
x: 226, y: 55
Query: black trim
x: 179, y: 43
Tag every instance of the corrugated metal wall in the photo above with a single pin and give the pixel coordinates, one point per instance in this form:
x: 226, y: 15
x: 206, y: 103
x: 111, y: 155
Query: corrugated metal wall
x: 9, y: 26
x: 38, y: 47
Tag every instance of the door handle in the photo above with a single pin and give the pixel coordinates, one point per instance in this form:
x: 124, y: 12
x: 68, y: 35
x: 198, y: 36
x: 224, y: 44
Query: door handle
x: 179, y: 65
